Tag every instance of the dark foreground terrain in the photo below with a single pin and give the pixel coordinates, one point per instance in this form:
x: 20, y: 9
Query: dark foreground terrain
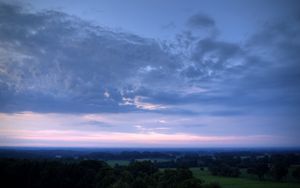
x: 91, y: 173
x: 139, y: 168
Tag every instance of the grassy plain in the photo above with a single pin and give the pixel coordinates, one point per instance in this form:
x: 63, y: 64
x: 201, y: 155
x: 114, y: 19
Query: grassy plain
x: 242, y: 182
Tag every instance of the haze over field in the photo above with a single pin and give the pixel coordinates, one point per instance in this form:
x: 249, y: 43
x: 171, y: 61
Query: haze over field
x: 140, y: 73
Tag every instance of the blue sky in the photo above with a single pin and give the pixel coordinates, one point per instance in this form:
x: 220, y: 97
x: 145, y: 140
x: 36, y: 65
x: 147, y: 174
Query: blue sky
x: 149, y: 73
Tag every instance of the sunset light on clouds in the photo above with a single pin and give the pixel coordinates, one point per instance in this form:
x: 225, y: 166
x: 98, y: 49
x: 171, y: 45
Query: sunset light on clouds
x: 109, y: 130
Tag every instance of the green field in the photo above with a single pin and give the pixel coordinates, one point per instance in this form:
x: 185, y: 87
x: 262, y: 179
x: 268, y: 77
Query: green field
x: 245, y: 181
x: 227, y: 182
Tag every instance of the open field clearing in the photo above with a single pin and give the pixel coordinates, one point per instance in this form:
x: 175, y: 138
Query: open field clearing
x: 228, y: 182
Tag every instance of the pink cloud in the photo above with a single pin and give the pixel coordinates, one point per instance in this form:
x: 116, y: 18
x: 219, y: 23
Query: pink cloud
x: 64, y: 137
x: 34, y: 129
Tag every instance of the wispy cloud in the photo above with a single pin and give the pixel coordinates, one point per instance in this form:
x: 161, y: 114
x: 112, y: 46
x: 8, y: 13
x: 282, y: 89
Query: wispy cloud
x: 138, y: 101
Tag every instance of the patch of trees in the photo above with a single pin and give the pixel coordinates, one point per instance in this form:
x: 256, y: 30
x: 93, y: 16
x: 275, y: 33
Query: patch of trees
x: 259, y: 169
x: 296, y: 173
x: 93, y: 174
x: 224, y: 170
x: 277, y: 171
x: 275, y: 165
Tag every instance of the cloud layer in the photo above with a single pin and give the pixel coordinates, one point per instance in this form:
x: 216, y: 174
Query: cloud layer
x: 55, y: 63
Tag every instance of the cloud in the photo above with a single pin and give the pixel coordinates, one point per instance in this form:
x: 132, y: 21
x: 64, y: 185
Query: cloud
x: 54, y: 62
x: 200, y: 21
x: 92, y: 139
x: 148, y: 129
x: 169, y: 26
x: 273, y: 76
x: 259, y: 75
x: 62, y: 75
x: 211, y: 58
x: 139, y: 103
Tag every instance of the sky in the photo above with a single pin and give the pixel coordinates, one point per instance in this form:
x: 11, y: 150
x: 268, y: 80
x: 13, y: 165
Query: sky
x: 137, y: 73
